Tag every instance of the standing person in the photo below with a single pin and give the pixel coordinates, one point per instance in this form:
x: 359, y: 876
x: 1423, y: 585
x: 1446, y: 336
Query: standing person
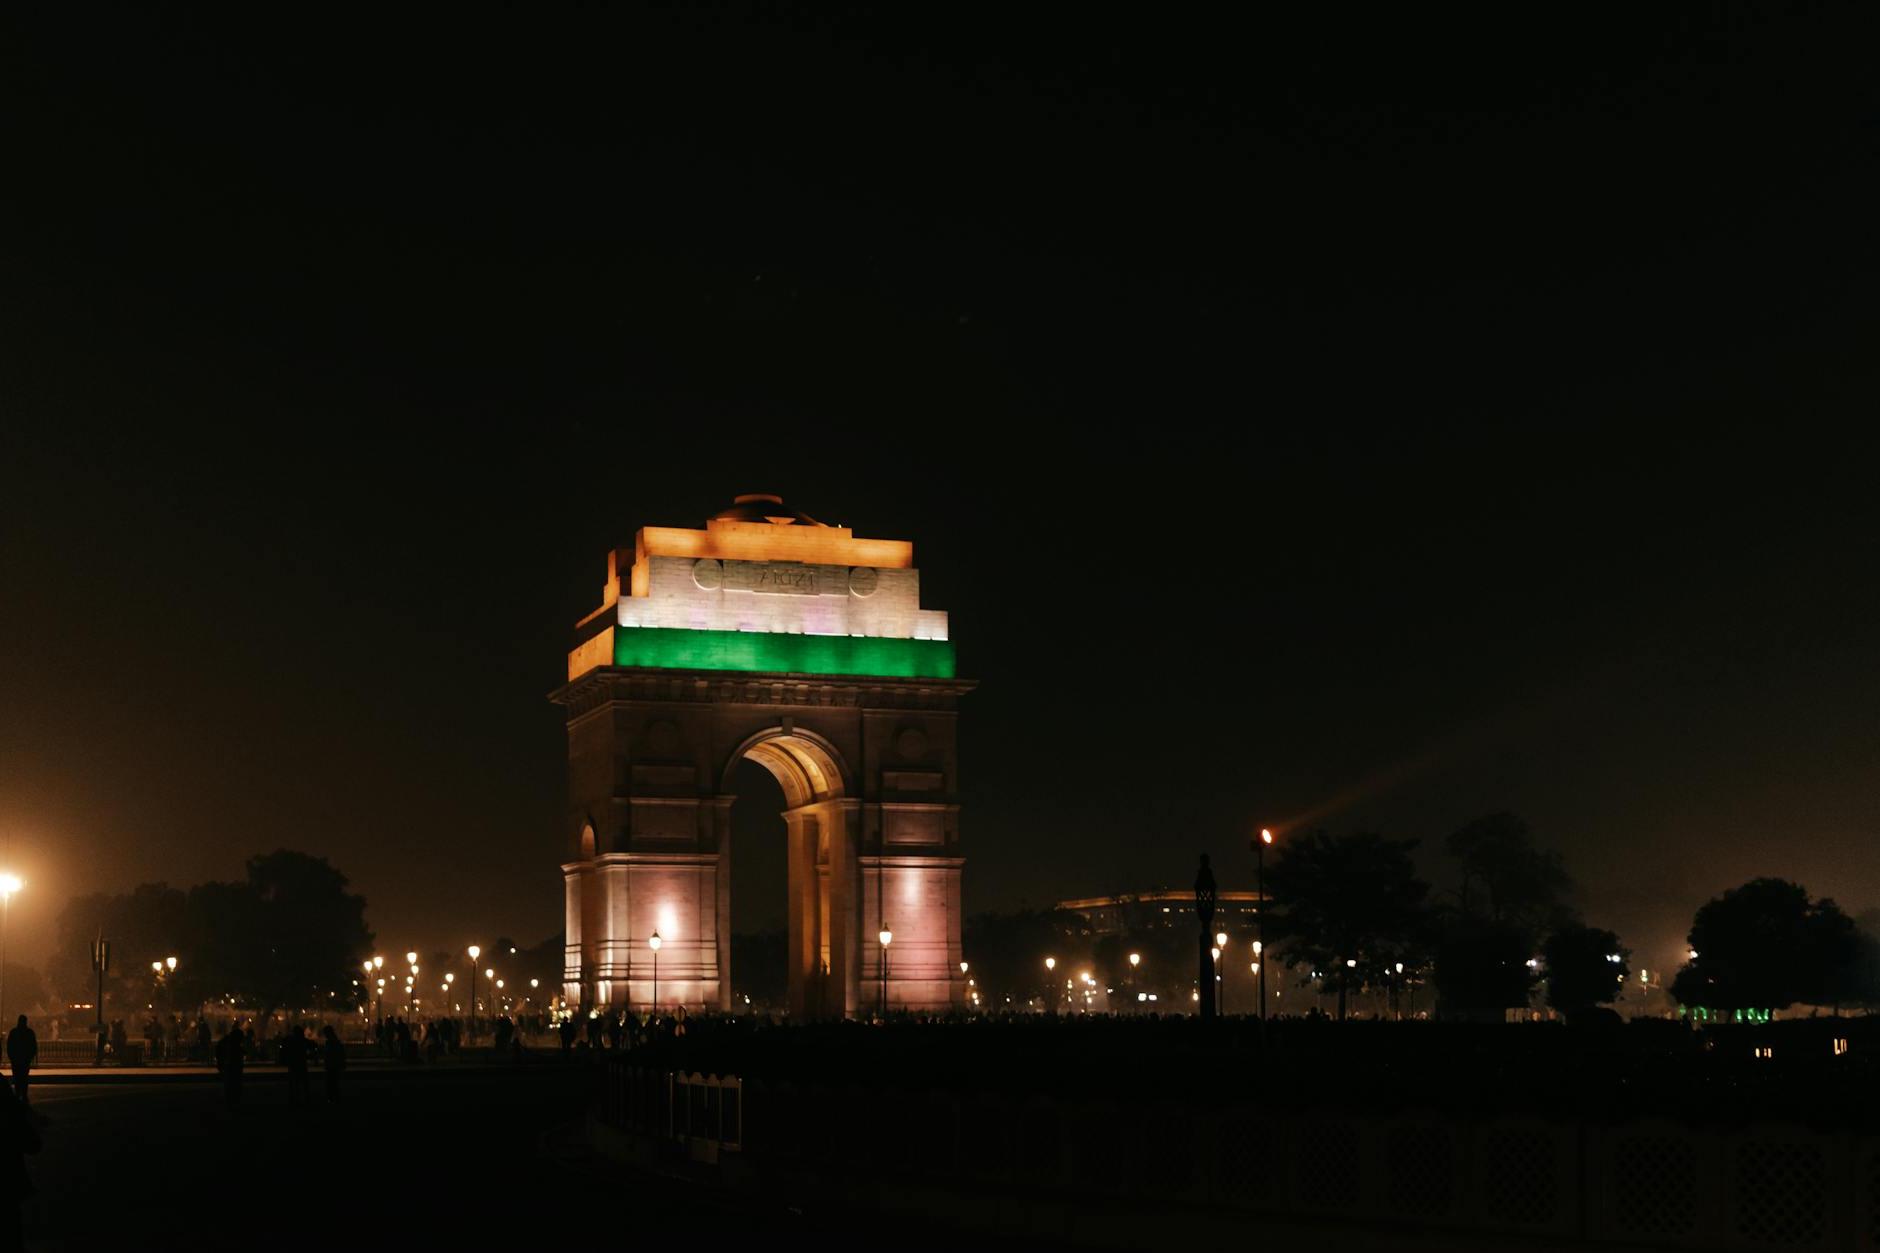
x: 22, y: 1049
x: 228, y: 1060
x: 205, y: 1044
x: 294, y: 1049
x: 333, y: 1058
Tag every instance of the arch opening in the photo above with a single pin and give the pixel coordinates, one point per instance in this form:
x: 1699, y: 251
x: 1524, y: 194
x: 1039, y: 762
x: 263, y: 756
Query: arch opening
x: 785, y: 962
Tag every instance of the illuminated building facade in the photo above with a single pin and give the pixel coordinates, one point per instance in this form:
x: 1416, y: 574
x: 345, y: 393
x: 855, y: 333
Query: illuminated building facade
x: 771, y: 636
x: 1164, y: 907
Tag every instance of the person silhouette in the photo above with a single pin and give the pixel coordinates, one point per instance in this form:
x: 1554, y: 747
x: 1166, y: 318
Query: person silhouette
x: 228, y: 1061
x: 294, y: 1049
x: 22, y: 1050
x: 333, y: 1058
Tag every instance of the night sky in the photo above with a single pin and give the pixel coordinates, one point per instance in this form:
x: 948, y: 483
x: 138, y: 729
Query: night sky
x: 1502, y: 387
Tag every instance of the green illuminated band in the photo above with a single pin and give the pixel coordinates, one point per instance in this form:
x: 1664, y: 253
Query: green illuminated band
x: 665, y: 648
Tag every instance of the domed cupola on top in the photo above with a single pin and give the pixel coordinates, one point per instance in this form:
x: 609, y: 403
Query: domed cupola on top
x: 759, y: 507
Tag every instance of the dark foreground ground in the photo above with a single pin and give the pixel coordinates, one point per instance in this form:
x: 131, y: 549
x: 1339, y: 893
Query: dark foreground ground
x: 470, y: 1158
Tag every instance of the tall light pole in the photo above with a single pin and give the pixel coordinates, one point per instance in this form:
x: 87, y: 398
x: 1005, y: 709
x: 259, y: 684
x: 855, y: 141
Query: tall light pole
x: 475, y: 952
x: 1135, y: 961
x: 9, y: 884
x: 1259, y: 945
x: 100, y: 962
x: 886, y: 937
x: 1050, y: 964
x: 653, y: 942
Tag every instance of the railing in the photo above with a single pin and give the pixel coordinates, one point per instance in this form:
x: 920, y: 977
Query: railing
x: 85, y: 1053
x: 1650, y: 1182
x: 702, y: 1113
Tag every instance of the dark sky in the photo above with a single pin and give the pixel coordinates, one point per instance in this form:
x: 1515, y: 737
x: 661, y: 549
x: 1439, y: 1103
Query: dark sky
x: 1372, y: 423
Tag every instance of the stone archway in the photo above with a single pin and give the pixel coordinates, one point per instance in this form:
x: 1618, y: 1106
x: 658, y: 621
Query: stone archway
x: 817, y: 817
x: 806, y: 652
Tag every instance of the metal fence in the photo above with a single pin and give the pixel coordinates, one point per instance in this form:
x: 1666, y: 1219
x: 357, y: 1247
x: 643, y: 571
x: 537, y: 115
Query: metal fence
x: 704, y: 1114
x: 85, y: 1053
x: 1658, y: 1183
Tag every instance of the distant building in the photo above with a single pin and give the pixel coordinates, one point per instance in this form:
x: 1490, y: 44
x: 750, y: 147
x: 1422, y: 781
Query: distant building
x: 1165, y: 907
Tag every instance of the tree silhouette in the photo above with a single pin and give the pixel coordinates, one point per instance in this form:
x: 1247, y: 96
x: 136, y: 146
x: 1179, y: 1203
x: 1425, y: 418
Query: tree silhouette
x: 1766, y: 945
x: 1353, y: 898
x: 1481, y: 964
x: 1506, y: 879
x: 1007, y: 953
x: 289, y: 934
x: 1581, y: 971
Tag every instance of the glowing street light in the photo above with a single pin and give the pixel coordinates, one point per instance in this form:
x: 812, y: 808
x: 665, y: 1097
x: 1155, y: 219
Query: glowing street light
x: 411, y: 958
x: 886, y: 937
x: 1050, y: 964
x: 475, y: 952
x: 653, y: 942
x: 1220, y: 939
x: 9, y: 884
x: 1259, y: 945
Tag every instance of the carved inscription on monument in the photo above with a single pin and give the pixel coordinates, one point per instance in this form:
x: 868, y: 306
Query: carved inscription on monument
x: 786, y: 578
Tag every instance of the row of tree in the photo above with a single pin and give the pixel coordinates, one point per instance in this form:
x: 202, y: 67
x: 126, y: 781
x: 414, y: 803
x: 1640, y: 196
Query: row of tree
x: 1348, y: 909
x: 288, y: 934
x: 1349, y: 913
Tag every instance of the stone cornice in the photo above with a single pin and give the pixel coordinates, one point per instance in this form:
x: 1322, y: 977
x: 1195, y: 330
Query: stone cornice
x: 612, y: 684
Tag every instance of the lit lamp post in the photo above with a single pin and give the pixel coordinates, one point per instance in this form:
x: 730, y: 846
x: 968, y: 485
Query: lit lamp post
x: 653, y: 942
x: 9, y: 884
x: 886, y: 937
x: 100, y: 963
x: 475, y: 952
x: 1220, y: 976
x: 1050, y: 964
x: 1135, y: 962
x: 1260, y: 919
x: 450, y: 977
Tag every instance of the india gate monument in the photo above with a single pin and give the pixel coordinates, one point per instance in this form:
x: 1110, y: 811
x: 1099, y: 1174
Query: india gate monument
x: 772, y: 636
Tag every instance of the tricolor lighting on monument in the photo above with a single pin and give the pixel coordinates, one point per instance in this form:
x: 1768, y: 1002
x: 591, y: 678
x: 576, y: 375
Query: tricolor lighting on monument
x: 769, y: 637
x: 765, y: 588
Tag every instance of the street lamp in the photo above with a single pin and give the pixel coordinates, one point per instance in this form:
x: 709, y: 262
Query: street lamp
x: 475, y: 952
x: 412, y: 959
x: 1259, y: 945
x: 1050, y: 964
x: 9, y: 884
x: 886, y: 937
x: 653, y: 942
